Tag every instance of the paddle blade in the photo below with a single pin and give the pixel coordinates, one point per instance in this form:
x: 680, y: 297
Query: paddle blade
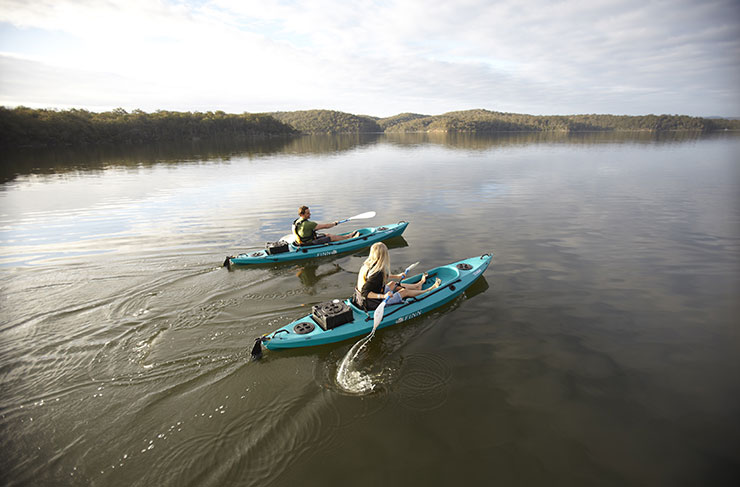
x: 378, y: 316
x: 362, y: 216
x: 406, y: 272
x: 257, y: 349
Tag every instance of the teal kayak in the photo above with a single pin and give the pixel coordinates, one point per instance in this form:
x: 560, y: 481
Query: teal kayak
x: 365, y: 238
x: 317, y: 328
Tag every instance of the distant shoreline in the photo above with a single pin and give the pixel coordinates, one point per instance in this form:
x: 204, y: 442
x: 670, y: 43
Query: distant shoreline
x: 26, y: 127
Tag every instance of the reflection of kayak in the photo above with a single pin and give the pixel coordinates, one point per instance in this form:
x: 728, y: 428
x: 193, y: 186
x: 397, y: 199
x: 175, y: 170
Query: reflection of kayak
x: 366, y: 237
x: 316, y: 328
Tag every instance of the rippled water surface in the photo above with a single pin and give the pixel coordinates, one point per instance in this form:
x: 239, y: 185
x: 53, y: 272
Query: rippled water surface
x: 601, y: 347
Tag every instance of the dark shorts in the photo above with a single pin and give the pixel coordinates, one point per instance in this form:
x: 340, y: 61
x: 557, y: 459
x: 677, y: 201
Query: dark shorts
x: 321, y: 239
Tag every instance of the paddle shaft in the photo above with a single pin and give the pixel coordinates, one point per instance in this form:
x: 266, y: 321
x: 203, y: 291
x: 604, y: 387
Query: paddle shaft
x: 380, y: 310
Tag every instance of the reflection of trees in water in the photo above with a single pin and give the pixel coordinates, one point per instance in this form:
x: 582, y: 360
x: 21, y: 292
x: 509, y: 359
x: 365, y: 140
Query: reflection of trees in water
x: 60, y: 160
x: 471, y: 141
x: 326, y: 144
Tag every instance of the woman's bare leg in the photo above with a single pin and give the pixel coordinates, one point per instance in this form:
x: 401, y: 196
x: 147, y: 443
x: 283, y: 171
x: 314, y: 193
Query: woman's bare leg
x: 410, y: 293
x: 416, y: 285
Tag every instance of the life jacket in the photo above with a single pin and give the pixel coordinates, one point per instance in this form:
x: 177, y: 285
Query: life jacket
x: 298, y: 239
x: 360, y: 300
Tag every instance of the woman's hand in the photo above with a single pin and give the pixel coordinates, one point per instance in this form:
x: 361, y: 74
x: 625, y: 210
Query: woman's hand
x: 388, y: 295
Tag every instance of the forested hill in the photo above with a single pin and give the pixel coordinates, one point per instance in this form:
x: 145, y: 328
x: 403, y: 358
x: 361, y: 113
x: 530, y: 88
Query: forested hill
x: 22, y: 126
x: 328, y: 122
x: 29, y: 127
x: 388, y: 124
x: 485, y: 121
x: 482, y: 121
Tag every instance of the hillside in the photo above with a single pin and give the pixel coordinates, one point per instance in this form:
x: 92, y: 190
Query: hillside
x: 401, y: 118
x: 484, y: 121
x: 22, y: 127
x: 328, y: 122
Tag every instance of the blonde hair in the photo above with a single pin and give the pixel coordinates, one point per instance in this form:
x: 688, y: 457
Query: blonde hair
x: 377, y: 261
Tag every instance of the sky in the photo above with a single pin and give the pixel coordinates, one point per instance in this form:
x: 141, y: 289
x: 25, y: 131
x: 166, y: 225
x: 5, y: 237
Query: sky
x: 374, y: 57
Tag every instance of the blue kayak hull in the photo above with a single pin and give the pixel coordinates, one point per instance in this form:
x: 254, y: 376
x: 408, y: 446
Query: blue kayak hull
x: 367, y: 237
x: 455, y: 278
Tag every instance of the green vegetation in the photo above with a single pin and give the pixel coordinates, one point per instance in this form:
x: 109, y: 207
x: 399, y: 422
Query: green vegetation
x: 484, y: 121
x: 23, y: 127
x: 328, y: 122
x: 387, y: 124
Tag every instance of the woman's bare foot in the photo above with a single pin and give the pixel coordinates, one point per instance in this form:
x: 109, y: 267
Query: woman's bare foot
x: 436, y: 284
x: 423, y: 278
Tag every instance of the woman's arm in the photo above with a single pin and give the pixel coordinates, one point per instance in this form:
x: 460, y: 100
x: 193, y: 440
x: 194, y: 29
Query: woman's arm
x: 373, y: 287
x: 378, y: 295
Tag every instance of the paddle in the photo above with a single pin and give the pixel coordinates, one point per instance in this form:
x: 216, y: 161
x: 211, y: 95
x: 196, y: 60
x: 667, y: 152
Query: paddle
x: 405, y: 273
x: 378, y: 314
x: 362, y: 216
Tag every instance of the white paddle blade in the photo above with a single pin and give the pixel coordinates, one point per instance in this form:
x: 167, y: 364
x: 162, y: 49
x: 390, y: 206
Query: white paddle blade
x: 410, y: 267
x: 406, y: 272
x: 378, y: 315
x: 362, y: 216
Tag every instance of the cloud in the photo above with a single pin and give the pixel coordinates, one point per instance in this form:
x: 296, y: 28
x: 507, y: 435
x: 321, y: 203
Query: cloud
x: 383, y: 57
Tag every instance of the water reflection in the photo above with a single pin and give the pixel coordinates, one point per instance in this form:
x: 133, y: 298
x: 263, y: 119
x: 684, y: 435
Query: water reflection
x: 470, y: 141
x: 59, y: 160
x: 607, y: 337
x: 309, y: 276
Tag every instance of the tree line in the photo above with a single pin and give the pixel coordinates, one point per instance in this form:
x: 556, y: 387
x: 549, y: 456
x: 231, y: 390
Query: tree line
x: 23, y: 126
x: 328, y: 122
x: 484, y: 121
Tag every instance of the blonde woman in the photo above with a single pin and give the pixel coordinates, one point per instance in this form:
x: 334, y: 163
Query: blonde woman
x: 373, y: 284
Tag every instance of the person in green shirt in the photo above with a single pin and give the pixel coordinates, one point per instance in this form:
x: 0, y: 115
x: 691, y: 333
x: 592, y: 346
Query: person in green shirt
x: 304, y: 230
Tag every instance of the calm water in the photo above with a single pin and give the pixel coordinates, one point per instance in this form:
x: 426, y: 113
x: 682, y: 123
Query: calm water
x: 600, y: 348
